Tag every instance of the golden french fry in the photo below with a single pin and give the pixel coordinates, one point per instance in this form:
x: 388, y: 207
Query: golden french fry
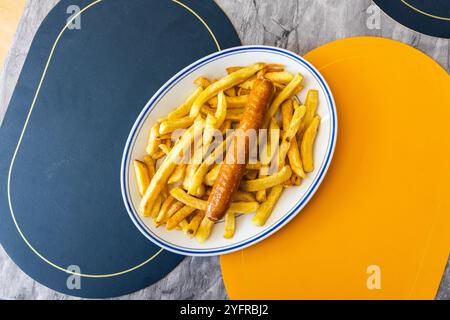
x: 183, y: 109
x: 298, y: 89
x: 261, y: 195
x: 296, y: 180
x: 293, y: 153
x: 169, y: 126
x: 148, y: 160
x: 282, y: 77
x: 270, y: 148
x: 204, y: 230
x: 197, y: 177
x: 232, y: 69
x: 230, y: 92
x: 267, y: 154
x: 172, y: 210
x: 207, y: 111
x: 166, y: 136
x: 202, y: 82
x: 234, y: 116
x: 242, y: 92
x: 296, y: 102
x: 155, y: 208
x: 158, y: 154
x: 278, y: 87
x: 260, y: 74
x: 230, y: 225
x: 251, y: 174
x: 308, y: 143
x: 225, y: 126
x: 311, y: 103
x: 225, y: 83
x: 201, y: 191
x: 287, y: 108
x: 274, y: 67
x: 290, y: 133
x: 193, y: 225
x: 182, y: 225
x: 248, y: 84
x: 265, y: 209
x: 244, y: 196
x: 232, y: 102
x: 211, y: 176
x: 230, y: 114
x: 142, y: 176
x: 165, y: 170
x: 221, y: 110
x: 214, y: 122
x: 164, y: 208
x: 266, y: 157
x: 187, y: 199
x: 288, y: 182
x: 153, y: 140
x: 267, y: 182
x: 188, y: 183
x: 295, y: 160
x: 178, y: 217
x: 243, y: 206
x: 208, y: 133
x: 253, y: 166
x: 237, y: 207
x: 178, y: 173
x: 285, y: 94
x: 164, y: 148
x: 164, y: 192
x: 190, y: 171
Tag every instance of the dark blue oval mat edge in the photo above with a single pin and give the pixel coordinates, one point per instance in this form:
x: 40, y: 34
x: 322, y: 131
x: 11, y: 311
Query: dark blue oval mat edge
x: 413, y: 19
x: 18, y: 109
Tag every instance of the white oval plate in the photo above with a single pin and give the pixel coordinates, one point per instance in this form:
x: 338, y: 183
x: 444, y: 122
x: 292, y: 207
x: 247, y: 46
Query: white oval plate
x: 174, y: 92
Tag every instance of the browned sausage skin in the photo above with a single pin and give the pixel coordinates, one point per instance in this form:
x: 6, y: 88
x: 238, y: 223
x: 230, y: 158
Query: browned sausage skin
x: 232, y: 169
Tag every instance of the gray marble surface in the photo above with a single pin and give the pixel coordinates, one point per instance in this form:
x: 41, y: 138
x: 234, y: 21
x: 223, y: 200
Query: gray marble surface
x: 298, y: 25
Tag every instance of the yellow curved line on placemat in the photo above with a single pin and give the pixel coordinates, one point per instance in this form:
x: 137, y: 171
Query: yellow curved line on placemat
x: 423, y: 12
x: 14, y: 157
x: 201, y: 20
x: 23, y: 132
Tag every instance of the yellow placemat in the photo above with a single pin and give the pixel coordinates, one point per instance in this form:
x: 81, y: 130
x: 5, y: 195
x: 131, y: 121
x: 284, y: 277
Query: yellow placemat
x: 10, y: 12
x: 378, y: 227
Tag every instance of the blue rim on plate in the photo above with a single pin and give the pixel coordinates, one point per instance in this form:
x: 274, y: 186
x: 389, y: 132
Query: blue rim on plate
x: 133, y: 213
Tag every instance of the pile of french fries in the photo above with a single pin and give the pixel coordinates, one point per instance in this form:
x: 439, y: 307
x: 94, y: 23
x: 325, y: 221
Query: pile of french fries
x: 175, y: 193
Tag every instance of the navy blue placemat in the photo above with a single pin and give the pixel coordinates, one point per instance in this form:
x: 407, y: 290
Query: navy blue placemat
x: 430, y: 17
x: 62, y: 219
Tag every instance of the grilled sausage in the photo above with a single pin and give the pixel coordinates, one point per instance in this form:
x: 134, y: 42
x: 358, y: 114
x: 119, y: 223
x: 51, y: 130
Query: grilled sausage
x: 233, y: 167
